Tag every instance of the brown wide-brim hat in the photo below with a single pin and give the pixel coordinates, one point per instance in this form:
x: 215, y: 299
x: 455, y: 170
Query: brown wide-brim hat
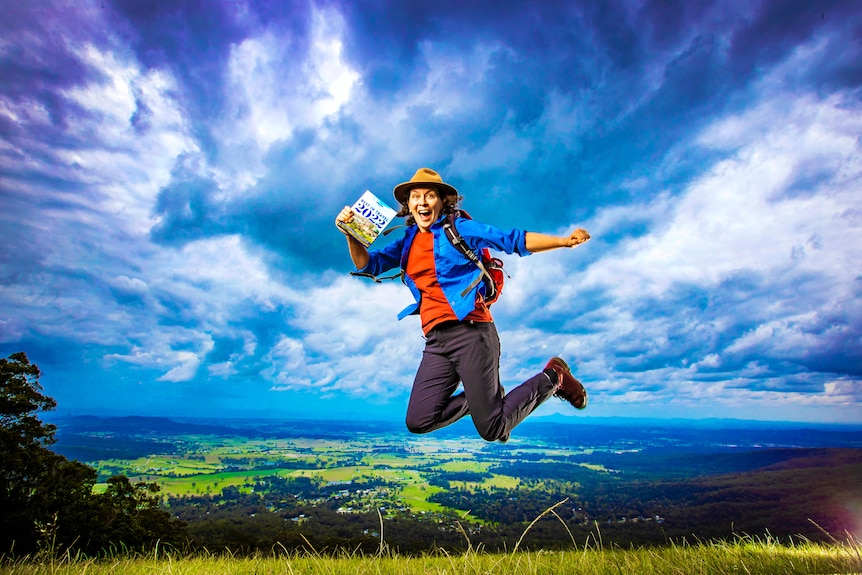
x: 423, y: 177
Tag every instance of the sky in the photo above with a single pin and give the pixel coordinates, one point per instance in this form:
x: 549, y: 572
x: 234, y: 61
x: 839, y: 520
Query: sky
x: 170, y: 172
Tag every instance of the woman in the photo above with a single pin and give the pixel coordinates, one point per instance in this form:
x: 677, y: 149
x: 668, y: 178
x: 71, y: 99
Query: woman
x: 461, y: 340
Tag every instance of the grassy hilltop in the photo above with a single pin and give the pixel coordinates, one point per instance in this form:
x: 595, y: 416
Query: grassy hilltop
x: 746, y: 555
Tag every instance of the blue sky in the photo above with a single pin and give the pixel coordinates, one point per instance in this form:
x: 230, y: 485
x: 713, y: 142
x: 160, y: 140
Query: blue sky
x: 170, y: 173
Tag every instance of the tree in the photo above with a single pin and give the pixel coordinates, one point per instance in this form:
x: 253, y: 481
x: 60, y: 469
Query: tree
x: 48, y: 500
x: 28, y: 466
x: 20, y: 397
x: 129, y: 515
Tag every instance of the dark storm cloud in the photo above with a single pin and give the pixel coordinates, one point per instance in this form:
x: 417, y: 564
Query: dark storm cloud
x: 185, y: 206
x: 552, y: 47
x: 699, y: 54
x: 194, y: 39
x: 38, y: 59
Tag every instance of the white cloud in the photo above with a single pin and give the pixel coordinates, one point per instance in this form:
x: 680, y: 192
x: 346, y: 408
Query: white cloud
x: 126, y: 165
x: 743, y: 214
x: 329, y: 77
x: 351, y: 341
x: 215, y: 284
x: 262, y: 112
x: 113, y: 174
x: 118, y: 283
x: 780, y: 209
x: 443, y: 88
x: 275, y: 87
x: 292, y: 369
x: 224, y: 271
x: 188, y: 366
x: 178, y: 350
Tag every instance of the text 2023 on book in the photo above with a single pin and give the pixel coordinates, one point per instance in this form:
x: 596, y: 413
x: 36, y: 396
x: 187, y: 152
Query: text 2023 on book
x: 370, y: 217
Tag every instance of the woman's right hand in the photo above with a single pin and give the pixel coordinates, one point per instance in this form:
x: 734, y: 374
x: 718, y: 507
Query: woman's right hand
x: 358, y: 252
x: 345, y: 216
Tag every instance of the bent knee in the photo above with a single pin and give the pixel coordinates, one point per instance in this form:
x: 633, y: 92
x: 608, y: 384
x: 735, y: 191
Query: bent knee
x: 416, y: 426
x: 491, y: 434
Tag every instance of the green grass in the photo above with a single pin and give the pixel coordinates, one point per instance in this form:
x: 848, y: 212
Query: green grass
x: 746, y: 556
x: 212, y: 483
x: 416, y: 497
x: 468, y: 465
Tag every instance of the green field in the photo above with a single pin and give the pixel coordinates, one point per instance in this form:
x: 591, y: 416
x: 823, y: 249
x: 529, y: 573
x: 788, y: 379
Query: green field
x: 208, y: 464
x: 282, y: 480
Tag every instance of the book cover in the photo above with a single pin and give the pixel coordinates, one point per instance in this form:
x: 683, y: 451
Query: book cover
x: 370, y: 217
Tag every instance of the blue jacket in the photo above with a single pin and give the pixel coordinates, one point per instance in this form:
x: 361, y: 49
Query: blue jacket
x: 454, y: 271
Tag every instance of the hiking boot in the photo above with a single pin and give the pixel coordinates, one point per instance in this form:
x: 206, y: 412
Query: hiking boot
x: 568, y: 388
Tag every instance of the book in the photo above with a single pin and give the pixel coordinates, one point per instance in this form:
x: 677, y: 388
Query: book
x: 370, y: 217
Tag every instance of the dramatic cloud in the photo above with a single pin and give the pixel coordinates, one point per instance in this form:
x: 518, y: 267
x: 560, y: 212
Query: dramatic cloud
x: 170, y: 173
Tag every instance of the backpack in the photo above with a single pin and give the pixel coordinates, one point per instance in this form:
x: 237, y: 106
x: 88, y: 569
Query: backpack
x: 491, y: 268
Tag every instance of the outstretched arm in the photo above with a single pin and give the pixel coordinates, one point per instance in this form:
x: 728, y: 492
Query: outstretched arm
x: 358, y: 252
x: 542, y: 242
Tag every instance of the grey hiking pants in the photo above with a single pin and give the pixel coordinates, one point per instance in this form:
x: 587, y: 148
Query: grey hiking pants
x: 469, y: 353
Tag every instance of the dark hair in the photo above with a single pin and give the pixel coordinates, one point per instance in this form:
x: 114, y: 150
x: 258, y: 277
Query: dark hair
x: 451, y: 203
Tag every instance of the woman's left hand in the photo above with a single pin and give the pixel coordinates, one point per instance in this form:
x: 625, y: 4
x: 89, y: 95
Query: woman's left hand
x: 578, y: 237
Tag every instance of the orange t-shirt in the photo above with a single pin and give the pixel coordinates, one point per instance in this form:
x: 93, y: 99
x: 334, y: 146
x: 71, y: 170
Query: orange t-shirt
x: 434, y: 308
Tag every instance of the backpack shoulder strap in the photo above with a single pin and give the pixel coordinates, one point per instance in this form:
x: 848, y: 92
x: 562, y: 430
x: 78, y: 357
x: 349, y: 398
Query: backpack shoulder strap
x: 379, y: 279
x: 454, y: 237
x: 451, y: 231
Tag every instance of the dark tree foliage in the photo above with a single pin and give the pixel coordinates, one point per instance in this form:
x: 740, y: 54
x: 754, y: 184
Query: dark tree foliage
x: 35, y: 482
x: 47, y: 501
x: 129, y: 515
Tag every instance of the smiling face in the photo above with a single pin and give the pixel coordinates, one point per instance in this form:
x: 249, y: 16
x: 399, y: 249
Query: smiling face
x: 425, y: 206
